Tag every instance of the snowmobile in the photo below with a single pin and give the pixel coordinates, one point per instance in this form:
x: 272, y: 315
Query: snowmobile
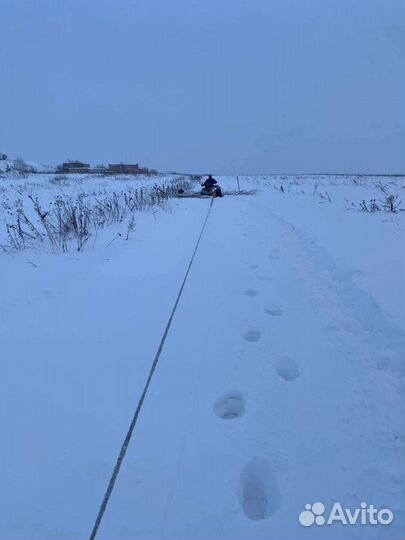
x: 212, y: 191
x: 208, y: 189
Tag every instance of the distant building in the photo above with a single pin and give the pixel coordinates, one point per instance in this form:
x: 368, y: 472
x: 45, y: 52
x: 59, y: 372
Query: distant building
x: 124, y: 168
x: 75, y: 167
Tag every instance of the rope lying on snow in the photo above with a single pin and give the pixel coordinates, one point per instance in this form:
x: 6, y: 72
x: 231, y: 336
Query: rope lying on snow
x: 128, y: 436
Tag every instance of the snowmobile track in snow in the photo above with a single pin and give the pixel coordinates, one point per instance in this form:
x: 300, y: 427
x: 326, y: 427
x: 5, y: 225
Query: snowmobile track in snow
x: 128, y: 436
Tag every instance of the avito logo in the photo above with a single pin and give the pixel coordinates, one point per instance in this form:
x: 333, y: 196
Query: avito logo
x: 365, y: 515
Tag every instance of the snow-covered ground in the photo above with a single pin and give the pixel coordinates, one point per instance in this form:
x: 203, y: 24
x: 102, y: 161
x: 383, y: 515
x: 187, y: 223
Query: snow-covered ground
x: 281, y: 381
x: 8, y: 166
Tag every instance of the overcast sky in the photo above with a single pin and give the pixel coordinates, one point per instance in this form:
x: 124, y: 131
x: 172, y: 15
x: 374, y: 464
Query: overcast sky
x: 236, y: 86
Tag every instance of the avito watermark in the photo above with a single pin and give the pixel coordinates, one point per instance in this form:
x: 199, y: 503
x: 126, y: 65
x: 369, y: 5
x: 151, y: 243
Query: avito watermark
x: 367, y: 514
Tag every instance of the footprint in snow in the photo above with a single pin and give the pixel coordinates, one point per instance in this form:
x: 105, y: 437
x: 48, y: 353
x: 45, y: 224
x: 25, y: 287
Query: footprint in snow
x: 230, y: 406
x: 274, y: 310
x: 261, y: 277
x: 253, y: 267
x: 259, y: 494
x: 48, y: 293
x: 391, y: 363
x: 383, y: 363
x: 251, y: 292
x: 252, y: 335
x: 275, y: 253
x: 287, y: 368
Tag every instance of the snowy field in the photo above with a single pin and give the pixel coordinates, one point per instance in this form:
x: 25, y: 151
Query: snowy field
x: 281, y: 381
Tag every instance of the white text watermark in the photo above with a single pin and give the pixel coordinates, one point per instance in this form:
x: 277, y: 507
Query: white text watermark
x: 366, y: 514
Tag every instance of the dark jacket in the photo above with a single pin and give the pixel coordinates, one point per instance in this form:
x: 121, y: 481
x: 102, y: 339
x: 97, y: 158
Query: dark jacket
x: 210, y: 182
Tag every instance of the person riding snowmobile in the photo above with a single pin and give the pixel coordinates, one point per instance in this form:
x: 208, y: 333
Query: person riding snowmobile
x: 210, y: 182
x: 211, y: 187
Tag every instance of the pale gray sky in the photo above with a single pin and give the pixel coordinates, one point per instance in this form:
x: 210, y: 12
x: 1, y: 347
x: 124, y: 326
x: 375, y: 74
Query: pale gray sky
x: 236, y: 86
